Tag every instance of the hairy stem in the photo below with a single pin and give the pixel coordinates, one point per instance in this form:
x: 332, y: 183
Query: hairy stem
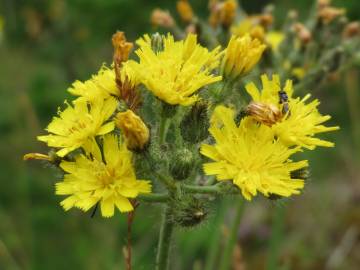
x: 164, y: 124
x: 162, y: 257
x: 153, y: 197
x: 229, y: 247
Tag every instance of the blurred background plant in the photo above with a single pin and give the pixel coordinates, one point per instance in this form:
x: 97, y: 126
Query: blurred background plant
x: 46, y: 45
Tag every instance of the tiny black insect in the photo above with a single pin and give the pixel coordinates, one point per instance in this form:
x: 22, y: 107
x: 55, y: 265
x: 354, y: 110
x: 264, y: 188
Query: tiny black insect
x: 284, y: 99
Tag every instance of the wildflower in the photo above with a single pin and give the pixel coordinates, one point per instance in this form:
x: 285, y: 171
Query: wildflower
x: 301, y: 123
x: 177, y: 72
x: 109, y: 180
x: 241, y: 55
x: 162, y: 18
x: 274, y: 39
x: 135, y: 131
x: 249, y: 156
x: 250, y: 25
x: 185, y: 11
x: 76, y: 125
x: 100, y: 86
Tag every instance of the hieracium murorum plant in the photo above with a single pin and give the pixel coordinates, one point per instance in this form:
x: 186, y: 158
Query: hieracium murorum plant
x: 205, y: 109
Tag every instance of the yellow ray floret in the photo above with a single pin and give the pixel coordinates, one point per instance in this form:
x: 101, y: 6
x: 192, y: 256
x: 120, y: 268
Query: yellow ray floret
x: 89, y: 180
x: 249, y: 156
x: 242, y: 54
x: 301, y: 123
x: 102, y: 85
x: 178, y: 71
x: 77, y: 124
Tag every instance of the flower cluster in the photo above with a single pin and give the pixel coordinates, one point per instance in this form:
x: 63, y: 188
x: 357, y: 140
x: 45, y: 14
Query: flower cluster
x: 178, y: 109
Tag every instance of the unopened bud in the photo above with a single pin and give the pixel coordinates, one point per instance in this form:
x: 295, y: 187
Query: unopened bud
x: 267, y: 114
x: 303, y: 33
x: 194, y: 127
x: 302, y: 173
x: 185, y: 11
x: 181, y: 164
x: 188, y: 211
x: 228, y: 13
x: 351, y: 30
x: 157, y: 42
x: 135, y: 131
x: 328, y: 14
x: 162, y: 18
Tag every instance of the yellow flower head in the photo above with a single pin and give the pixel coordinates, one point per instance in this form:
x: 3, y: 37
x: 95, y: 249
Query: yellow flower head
x: 103, y: 85
x: 109, y: 181
x: 274, y: 39
x: 135, y: 131
x: 249, y: 156
x: 185, y: 11
x: 76, y: 125
x: 301, y: 122
x: 177, y: 72
x: 241, y: 55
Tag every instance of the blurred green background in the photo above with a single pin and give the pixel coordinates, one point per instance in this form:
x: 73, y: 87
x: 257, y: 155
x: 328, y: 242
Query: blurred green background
x: 44, y: 47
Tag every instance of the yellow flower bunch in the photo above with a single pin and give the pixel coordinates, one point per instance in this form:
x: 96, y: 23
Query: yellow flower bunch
x: 175, y: 73
x: 107, y: 179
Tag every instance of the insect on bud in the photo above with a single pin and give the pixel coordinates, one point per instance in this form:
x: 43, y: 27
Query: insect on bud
x: 181, y: 164
x: 267, y: 114
x: 136, y: 133
x: 194, y: 127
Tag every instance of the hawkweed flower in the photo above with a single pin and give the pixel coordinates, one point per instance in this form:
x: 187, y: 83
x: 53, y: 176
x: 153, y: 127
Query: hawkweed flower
x: 77, y: 124
x: 300, y: 121
x: 109, y: 180
x: 135, y: 131
x: 241, y: 55
x: 251, y: 26
x: 249, y: 156
x: 100, y: 86
x: 185, y: 11
x: 274, y: 39
x: 177, y: 72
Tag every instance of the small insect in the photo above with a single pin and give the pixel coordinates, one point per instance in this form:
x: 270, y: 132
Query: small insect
x: 284, y: 100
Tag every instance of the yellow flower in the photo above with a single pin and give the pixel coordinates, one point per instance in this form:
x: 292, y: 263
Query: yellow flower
x: 241, y: 55
x: 89, y: 180
x: 177, y: 72
x: 249, y: 156
x: 76, y: 125
x: 274, y: 39
x: 301, y: 122
x: 103, y: 85
x: 135, y: 131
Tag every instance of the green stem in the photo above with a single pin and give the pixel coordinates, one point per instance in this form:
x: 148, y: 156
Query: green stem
x: 153, y: 197
x: 164, y: 124
x: 162, y: 256
x: 214, y: 189
x: 276, y: 238
x: 228, y: 251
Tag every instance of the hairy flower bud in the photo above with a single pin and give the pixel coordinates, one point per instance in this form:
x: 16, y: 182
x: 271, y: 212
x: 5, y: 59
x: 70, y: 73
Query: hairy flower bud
x: 328, y: 14
x: 351, y: 30
x: 135, y: 131
x: 181, y: 164
x: 194, y: 127
x: 188, y: 211
x: 185, y: 11
x: 303, y: 33
x: 162, y: 18
x: 267, y: 114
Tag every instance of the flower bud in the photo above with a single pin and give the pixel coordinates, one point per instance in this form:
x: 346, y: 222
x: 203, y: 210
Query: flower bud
x: 267, y: 114
x: 157, y: 43
x: 351, y: 30
x: 188, y: 211
x: 303, y: 33
x: 194, y: 126
x: 181, y: 164
x: 328, y: 14
x: 185, y: 11
x: 162, y: 18
x: 241, y: 55
x: 136, y: 133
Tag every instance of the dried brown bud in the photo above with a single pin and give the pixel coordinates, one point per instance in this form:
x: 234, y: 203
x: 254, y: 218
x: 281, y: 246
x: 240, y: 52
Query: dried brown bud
x: 222, y: 13
x: 328, y: 14
x: 266, y: 20
x: 323, y: 3
x: 267, y: 114
x: 351, y: 30
x: 162, y: 18
x: 302, y: 32
x: 122, y: 48
x: 191, y: 29
x: 185, y: 11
